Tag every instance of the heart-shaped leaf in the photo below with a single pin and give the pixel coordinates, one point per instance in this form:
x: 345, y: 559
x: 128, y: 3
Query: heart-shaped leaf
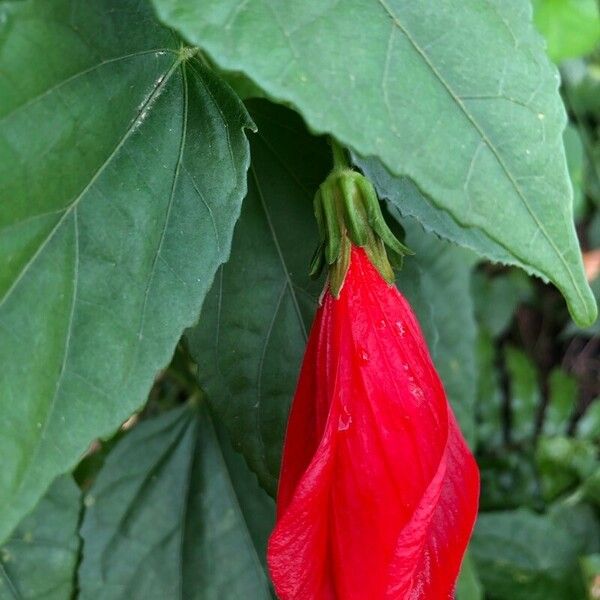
x: 165, y: 519
x: 457, y: 95
x: 123, y: 166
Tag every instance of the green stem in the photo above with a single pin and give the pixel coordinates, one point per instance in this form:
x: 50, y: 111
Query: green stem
x: 340, y: 159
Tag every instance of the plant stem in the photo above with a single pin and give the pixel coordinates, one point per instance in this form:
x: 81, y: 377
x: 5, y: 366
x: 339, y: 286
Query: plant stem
x: 340, y: 160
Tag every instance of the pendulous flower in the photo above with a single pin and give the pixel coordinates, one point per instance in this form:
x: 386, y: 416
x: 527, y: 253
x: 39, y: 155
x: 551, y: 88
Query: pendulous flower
x: 378, y: 492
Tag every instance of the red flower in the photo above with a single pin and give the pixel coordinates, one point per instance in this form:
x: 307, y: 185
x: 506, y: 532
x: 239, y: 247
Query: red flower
x: 378, y: 491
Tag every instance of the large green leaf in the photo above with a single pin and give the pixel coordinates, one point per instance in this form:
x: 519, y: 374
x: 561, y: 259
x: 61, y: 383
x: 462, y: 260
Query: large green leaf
x: 39, y: 559
x: 122, y: 169
x: 459, y: 96
x: 410, y: 201
x: 524, y: 556
x: 251, y: 336
x: 163, y: 519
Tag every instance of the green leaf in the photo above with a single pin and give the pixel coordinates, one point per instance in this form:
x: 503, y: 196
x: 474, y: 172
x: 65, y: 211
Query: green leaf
x: 571, y: 27
x: 459, y: 96
x: 125, y: 167
x: 39, y: 559
x: 163, y: 518
x: 523, y: 556
x: 563, y: 392
x: 409, y: 201
x: 469, y: 585
x: 490, y: 424
x: 251, y: 336
x: 580, y: 521
x: 524, y: 393
x: 594, y: 330
x: 588, y: 425
x: 437, y: 283
x: 562, y: 462
x: 497, y: 298
x: 591, y: 488
x: 258, y: 508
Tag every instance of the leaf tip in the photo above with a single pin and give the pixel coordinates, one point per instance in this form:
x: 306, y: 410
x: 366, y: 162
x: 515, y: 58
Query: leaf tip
x: 585, y: 311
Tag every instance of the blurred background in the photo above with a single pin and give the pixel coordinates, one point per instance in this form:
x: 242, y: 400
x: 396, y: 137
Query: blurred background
x: 538, y: 405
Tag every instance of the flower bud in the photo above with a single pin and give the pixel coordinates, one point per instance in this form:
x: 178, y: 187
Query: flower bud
x: 378, y: 491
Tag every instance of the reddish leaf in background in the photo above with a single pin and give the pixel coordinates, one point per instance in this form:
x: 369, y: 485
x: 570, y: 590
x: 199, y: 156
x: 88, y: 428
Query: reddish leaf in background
x: 378, y: 492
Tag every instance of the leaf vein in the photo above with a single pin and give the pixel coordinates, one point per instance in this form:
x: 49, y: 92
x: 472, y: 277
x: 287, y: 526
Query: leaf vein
x: 131, y: 129
x: 488, y: 143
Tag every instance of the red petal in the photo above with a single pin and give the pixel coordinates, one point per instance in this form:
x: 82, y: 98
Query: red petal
x: 378, y: 491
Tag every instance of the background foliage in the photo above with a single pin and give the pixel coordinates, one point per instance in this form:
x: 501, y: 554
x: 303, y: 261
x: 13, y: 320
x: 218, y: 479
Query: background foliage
x: 157, y: 167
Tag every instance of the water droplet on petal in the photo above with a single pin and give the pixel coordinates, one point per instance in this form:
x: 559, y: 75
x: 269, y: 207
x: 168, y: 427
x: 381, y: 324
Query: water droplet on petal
x: 400, y: 327
x: 363, y: 355
x: 382, y: 324
x: 416, y: 392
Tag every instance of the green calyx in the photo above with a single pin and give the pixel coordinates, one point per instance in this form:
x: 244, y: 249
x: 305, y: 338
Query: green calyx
x: 348, y: 212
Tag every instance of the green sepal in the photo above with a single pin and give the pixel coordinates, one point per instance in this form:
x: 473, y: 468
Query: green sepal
x: 333, y: 237
x: 376, y: 220
x: 348, y: 213
x: 378, y: 256
x: 319, y: 216
x: 354, y: 212
x: 337, y: 272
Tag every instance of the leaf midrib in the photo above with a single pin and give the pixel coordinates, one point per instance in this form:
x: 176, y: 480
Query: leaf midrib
x: 75, y: 76
x: 9, y: 583
x: 397, y: 23
x: 279, y: 251
x: 233, y: 496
